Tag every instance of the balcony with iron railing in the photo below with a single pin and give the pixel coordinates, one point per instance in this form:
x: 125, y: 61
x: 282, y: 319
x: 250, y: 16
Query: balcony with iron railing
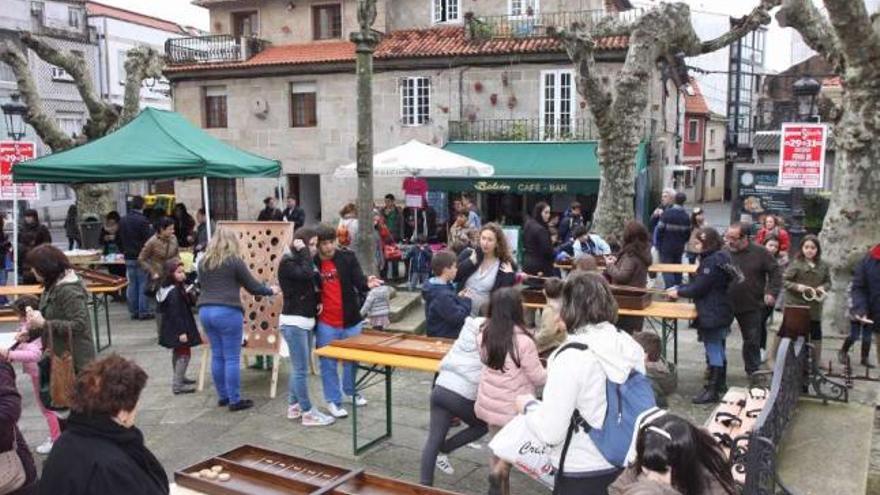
x: 535, y: 25
x: 522, y: 130
x: 212, y: 49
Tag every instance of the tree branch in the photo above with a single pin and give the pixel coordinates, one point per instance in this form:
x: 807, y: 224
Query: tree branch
x: 580, y: 46
x: 805, y: 18
x: 858, y: 41
x: 44, y: 125
x: 141, y: 63
x: 102, y: 115
x: 759, y: 16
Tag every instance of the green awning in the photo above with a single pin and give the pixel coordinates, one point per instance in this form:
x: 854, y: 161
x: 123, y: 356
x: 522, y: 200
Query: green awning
x: 157, y: 144
x: 532, y: 167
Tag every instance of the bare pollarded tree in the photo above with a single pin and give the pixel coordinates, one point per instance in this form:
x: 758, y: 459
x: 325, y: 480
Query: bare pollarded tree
x: 142, y: 63
x: 849, y: 38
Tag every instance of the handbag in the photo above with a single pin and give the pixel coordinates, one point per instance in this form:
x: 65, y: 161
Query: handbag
x: 516, y: 444
x: 61, y: 374
x: 12, y: 473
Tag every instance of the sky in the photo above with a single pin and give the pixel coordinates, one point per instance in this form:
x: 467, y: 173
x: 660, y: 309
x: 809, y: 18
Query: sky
x: 179, y: 11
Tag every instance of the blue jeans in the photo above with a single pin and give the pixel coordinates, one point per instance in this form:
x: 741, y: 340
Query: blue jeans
x: 330, y: 368
x: 671, y: 279
x: 300, y: 351
x: 223, y: 325
x: 715, y: 343
x: 138, y: 302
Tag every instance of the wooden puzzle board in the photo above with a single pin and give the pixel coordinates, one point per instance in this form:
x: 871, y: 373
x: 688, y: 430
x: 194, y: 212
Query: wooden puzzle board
x: 262, y: 245
x: 402, y: 344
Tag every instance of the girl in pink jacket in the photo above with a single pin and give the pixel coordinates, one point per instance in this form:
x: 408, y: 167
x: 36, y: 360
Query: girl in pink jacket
x: 510, y: 367
x: 29, y: 354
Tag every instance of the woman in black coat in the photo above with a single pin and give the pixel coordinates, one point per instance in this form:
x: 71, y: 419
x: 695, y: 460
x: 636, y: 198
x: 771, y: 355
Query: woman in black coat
x: 537, y: 246
x: 708, y: 289
x: 10, y: 435
x: 101, y: 451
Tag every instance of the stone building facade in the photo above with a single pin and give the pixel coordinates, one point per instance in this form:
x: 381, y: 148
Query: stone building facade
x: 429, y: 78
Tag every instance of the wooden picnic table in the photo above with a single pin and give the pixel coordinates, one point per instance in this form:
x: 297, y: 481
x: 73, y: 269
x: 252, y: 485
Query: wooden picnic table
x: 374, y: 363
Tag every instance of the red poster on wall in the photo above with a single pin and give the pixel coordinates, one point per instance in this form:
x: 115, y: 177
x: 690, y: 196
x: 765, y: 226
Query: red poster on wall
x: 802, y: 155
x: 12, y: 152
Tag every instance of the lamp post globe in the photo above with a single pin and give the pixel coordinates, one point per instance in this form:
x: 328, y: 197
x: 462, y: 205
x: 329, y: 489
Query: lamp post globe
x: 14, y: 112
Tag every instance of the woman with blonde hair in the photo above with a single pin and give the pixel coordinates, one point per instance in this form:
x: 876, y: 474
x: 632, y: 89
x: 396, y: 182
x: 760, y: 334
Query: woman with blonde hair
x: 222, y: 274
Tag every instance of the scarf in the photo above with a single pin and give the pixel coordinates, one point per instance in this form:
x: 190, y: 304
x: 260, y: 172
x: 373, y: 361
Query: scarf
x: 130, y: 440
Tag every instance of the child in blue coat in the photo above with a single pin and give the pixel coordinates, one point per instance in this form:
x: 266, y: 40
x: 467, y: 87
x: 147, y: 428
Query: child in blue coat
x: 445, y: 310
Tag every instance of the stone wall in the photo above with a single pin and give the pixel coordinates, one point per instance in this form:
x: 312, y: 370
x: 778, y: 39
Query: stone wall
x: 459, y: 93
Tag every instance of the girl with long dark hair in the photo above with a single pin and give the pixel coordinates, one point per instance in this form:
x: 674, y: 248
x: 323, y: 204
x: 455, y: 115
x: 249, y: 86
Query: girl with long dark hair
x: 537, y: 244
x: 674, y: 456
x: 630, y: 267
x: 486, y: 268
x: 806, y: 281
x: 511, y: 368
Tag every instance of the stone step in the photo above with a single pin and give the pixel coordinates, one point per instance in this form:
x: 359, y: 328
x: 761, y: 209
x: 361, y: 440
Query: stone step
x: 403, y: 303
x: 827, y: 448
x: 413, y: 322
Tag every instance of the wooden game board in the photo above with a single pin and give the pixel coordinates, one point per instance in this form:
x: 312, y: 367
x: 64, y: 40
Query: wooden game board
x: 258, y: 471
x: 398, y: 343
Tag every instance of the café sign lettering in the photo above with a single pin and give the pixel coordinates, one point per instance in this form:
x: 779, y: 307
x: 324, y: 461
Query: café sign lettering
x: 522, y: 187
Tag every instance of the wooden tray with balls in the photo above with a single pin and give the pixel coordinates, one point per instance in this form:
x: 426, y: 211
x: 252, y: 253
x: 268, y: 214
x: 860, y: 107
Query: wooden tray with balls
x: 250, y: 470
x: 398, y: 343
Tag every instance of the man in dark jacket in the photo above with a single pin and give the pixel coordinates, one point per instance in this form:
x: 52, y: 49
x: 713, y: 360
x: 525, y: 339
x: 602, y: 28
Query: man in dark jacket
x: 134, y: 231
x: 445, y: 310
x: 571, y: 221
x: 270, y: 213
x: 294, y: 213
x: 762, y: 280
x: 667, y: 198
x: 865, y: 311
x: 673, y: 232
x: 343, y: 288
x: 31, y: 235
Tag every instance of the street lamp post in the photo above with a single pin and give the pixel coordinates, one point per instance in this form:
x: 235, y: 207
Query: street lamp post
x: 805, y: 90
x: 14, y: 112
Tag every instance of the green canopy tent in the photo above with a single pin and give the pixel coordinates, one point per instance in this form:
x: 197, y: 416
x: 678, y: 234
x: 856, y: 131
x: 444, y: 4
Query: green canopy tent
x: 157, y: 144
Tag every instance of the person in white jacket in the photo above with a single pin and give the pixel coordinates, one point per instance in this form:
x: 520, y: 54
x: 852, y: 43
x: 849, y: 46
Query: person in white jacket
x: 576, y: 380
x: 454, y: 396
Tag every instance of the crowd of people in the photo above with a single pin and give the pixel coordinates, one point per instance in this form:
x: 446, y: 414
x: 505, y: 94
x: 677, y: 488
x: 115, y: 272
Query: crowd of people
x: 552, y: 375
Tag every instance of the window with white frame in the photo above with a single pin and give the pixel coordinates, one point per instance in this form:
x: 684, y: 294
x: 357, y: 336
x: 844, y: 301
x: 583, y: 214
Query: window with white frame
x: 6, y: 73
x: 415, y: 100
x: 70, y: 123
x: 445, y: 10
x: 557, y: 103
x: 59, y: 74
x: 693, y: 130
x: 522, y: 7
x: 74, y: 14
x: 61, y: 192
x: 711, y: 137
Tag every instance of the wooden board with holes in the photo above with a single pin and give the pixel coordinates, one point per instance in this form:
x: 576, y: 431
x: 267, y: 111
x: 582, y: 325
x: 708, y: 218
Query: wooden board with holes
x: 400, y: 344
x: 262, y: 245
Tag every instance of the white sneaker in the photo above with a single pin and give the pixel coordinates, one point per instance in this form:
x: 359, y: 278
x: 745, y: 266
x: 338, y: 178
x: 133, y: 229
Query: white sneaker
x: 359, y: 400
x: 45, y: 448
x: 444, y: 465
x: 315, y: 417
x: 294, y: 411
x: 337, y: 411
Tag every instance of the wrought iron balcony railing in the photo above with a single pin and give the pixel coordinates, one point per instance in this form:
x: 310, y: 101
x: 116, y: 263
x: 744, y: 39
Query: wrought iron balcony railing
x: 522, y: 130
x: 532, y: 25
x: 212, y: 48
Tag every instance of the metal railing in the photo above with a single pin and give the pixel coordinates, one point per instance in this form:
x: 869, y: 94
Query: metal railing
x: 535, y: 25
x: 755, y: 454
x: 212, y: 48
x: 521, y: 130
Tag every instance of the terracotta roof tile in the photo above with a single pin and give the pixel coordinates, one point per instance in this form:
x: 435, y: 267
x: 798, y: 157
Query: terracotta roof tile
x: 695, y: 103
x: 100, y: 10
x: 410, y: 43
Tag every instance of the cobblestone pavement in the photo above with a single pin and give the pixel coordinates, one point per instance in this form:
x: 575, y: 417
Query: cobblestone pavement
x: 182, y: 430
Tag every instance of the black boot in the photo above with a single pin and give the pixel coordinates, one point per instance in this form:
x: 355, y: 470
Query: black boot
x: 710, y: 394
x: 866, y: 352
x: 842, y: 353
x: 722, y: 381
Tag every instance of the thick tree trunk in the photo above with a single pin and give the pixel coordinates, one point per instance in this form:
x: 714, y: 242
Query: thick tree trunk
x: 365, y: 41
